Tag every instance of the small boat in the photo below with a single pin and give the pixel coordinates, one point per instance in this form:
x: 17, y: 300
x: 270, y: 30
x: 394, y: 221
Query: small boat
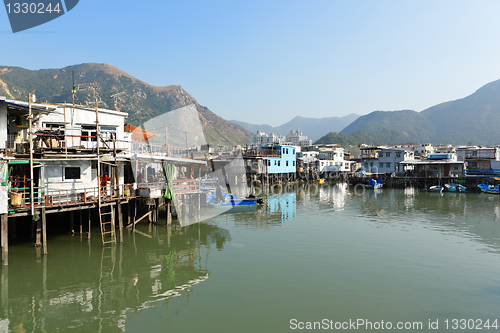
x: 436, y: 188
x: 491, y: 189
x: 373, y: 184
x: 320, y: 181
x: 455, y: 188
x: 220, y: 198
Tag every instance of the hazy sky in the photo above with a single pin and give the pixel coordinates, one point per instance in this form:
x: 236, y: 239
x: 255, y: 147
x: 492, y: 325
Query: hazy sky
x: 269, y: 61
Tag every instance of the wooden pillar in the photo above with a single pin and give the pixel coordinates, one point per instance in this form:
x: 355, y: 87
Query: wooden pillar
x: 81, y: 222
x: 168, y: 212
x: 44, y: 232
x: 90, y: 223
x: 129, y: 212
x: 71, y: 223
x: 199, y: 206
x: 38, y: 232
x: 120, y: 220
x: 5, y: 238
x: 158, y: 211
x: 150, y: 219
x: 135, y: 213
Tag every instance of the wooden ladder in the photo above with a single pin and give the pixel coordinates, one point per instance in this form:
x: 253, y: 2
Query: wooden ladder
x: 107, y: 222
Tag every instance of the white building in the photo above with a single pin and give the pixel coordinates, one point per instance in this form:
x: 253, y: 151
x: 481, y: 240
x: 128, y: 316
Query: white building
x: 387, y: 160
x: 296, y: 138
x: 333, y: 161
x: 262, y: 138
x: 422, y: 149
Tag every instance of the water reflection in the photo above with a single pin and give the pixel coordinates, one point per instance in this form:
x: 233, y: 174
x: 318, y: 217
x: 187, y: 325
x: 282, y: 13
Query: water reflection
x: 470, y: 215
x: 97, y: 289
x: 284, y: 205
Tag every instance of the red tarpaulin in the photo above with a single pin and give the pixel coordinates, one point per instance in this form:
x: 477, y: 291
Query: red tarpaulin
x: 139, y: 134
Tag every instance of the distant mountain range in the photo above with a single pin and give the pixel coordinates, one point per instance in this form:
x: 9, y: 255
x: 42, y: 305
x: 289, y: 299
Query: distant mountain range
x: 314, y: 128
x: 473, y: 119
x: 140, y: 100
x: 382, y: 137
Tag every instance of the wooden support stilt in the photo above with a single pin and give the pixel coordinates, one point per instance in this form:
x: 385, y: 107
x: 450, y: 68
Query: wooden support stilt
x: 90, y: 223
x: 5, y: 238
x: 148, y: 214
x: 133, y: 216
x: 38, y: 232
x: 150, y: 219
x: 129, y: 212
x: 120, y: 221
x: 157, y: 211
x: 81, y: 223
x: 169, y: 213
x: 44, y: 232
x: 71, y: 223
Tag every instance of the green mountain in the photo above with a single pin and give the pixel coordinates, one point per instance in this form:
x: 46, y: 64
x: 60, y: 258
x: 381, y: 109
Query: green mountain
x: 381, y: 137
x: 314, y: 128
x: 474, y: 118
x: 140, y: 100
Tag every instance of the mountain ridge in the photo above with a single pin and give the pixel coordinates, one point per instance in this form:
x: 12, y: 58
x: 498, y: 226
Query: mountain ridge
x: 139, y: 99
x: 473, y: 118
x: 313, y: 128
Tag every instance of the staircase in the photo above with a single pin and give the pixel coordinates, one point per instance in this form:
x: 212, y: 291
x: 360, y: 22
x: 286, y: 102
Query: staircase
x: 107, y: 222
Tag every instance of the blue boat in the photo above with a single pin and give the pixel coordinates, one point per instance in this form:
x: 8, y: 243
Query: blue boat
x: 491, y: 189
x: 436, y: 188
x: 455, y: 188
x: 374, y: 184
x: 223, y: 199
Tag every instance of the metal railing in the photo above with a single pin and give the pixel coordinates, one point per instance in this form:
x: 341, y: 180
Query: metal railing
x: 61, y: 198
x: 182, y: 186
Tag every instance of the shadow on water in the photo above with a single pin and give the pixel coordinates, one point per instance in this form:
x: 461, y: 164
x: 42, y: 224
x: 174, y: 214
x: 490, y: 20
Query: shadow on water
x: 82, y: 286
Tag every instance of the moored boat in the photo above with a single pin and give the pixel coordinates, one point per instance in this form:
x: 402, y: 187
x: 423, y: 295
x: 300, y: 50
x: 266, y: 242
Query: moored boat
x: 487, y: 188
x: 220, y: 198
x: 374, y: 184
x: 436, y: 188
x: 455, y: 188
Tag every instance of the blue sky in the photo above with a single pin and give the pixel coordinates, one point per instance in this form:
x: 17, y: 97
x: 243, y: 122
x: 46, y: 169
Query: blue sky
x: 269, y: 61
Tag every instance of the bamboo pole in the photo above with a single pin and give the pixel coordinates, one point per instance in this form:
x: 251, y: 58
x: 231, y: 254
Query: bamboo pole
x: 30, y: 138
x: 5, y: 238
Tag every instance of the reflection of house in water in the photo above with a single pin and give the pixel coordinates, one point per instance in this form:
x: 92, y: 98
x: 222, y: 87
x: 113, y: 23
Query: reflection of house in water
x: 286, y: 204
x: 334, y: 195
x: 114, y: 284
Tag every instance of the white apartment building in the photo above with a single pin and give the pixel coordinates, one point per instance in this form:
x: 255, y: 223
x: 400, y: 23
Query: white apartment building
x: 263, y: 139
x: 296, y: 138
x: 387, y: 160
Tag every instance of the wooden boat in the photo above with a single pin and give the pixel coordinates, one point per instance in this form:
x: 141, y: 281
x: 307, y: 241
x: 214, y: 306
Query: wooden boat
x: 491, y: 189
x: 455, y: 188
x: 436, y: 188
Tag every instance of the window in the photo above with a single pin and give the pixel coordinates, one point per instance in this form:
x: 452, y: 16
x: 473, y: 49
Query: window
x: 89, y: 131
x: 279, y: 163
x: 366, y: 165
x: 72, y: 173
x: 388, y: 165
x: 381, y: 165
x: 268, y: 162
x: 398, y: 154
x: 274, y: 162
x: 293, y: 163
x: 387, y: 154
x: 286, y: 163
